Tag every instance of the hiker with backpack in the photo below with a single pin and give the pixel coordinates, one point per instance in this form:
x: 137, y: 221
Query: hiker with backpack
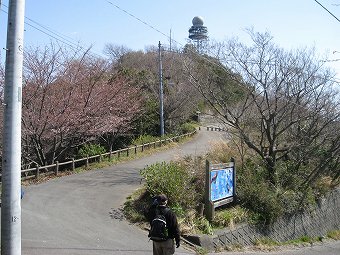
x: 164, y: 227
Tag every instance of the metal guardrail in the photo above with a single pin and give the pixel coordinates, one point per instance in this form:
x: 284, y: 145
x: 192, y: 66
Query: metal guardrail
x: 215, y: 128
x: 35, y: 172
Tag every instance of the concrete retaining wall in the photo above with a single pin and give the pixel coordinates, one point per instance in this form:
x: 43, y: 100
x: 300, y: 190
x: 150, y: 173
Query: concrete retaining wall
x: 324, y: 218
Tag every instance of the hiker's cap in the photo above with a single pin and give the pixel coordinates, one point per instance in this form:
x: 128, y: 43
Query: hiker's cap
x: 162, y: 198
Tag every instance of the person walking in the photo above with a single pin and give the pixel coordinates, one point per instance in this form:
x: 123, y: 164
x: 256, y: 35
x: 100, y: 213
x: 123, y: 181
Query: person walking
x: 165, y: 246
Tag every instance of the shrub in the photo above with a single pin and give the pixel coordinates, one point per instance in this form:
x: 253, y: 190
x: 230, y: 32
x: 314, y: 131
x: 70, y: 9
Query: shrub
x: 203, y: 225
x: 187, y: 128
x: 221, y: 152
x: 229, y: 217
x: 90, y: 150
x: 260, y: 201
x: 257, y: 195
x: 143, y: 139
x: 171, y: 179
x: 196, y: 166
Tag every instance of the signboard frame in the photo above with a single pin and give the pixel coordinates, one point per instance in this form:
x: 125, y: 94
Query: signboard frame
x: 222, y: 178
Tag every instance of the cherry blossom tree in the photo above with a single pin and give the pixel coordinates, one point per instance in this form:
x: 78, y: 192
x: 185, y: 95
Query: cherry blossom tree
x: 69, y: 100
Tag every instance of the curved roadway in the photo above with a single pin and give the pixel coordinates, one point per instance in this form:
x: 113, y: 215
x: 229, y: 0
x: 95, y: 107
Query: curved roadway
x: 81, y: 213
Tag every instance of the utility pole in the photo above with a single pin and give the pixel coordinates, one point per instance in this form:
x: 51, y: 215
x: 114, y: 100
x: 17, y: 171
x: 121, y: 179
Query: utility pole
x: 161, y: 89
x: 11, y: 155
x: 170, y: 37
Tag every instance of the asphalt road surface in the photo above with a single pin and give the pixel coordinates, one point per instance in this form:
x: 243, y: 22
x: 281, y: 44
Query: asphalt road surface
x: 325, y: 248
x: 81, y: 213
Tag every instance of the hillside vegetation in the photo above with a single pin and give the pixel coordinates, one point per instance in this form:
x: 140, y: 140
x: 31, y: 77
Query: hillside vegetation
x: 281, y: 111
x: 279, y: 108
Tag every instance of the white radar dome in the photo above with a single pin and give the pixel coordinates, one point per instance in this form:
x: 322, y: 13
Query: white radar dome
x: 197, y: 21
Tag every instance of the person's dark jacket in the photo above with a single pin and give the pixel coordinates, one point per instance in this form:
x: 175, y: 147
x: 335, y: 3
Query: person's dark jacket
x: 171, y: 220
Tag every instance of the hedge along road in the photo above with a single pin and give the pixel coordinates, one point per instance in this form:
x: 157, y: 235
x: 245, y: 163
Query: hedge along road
x: 81, y: 213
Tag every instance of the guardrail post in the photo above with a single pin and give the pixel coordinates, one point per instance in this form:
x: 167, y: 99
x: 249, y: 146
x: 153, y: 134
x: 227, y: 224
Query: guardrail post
x: 100, y: 157
x: 128, y: 152
x: 73, y: 165
x: 56, y: 167
x: 135, y: 148
x: 154, y: 145
x: 142, y: 147
x: 118, y: 154
x: 87, y: 161
x: 110, y: 155
x: 37, y: 173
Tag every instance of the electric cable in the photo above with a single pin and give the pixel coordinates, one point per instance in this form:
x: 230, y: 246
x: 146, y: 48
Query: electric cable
x: 135, y: 17
x: 327, y: 10
x: 152, y: 27
x: 74, y: 46
x: 53, y: 34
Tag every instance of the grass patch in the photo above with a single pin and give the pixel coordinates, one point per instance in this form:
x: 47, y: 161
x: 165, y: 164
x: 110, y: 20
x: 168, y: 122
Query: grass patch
x: 270, y: 244
x: 201, y: 251
x: 230, y: 217
x: 304, y: 240
x: 135, y: 206
x: 233, y: 247
x: 334, y: 234
x: 266, y: 242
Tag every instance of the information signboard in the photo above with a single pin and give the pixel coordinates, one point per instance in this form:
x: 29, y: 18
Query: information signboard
x: 220, y: 186
x: 221, y: 183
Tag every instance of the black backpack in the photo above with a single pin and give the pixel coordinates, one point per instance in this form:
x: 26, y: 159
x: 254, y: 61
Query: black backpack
x: 159, y: 230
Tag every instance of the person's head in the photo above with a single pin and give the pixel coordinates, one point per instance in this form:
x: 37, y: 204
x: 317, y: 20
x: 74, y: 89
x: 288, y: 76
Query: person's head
x: 162, y: 199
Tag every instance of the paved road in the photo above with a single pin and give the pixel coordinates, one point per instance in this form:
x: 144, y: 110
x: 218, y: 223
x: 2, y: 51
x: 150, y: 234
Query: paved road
x: 326, y: 248
x: 81, y: 213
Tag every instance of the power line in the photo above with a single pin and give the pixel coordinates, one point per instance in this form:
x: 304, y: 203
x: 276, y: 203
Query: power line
x: 140, y: 20
x: 331, y: 60
x: 152, y: 27
x: 76, y: 46
x: 327, y: 10
x: 64, y: 39
x: 53, y: 34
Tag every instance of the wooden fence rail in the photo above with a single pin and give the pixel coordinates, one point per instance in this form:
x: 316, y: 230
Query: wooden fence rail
x: 35, y: 172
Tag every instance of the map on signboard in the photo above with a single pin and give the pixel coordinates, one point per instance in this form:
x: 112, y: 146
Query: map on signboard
x: 221, y: 184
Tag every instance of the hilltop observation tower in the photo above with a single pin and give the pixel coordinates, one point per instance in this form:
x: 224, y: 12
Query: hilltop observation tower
x: 198, y: 33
